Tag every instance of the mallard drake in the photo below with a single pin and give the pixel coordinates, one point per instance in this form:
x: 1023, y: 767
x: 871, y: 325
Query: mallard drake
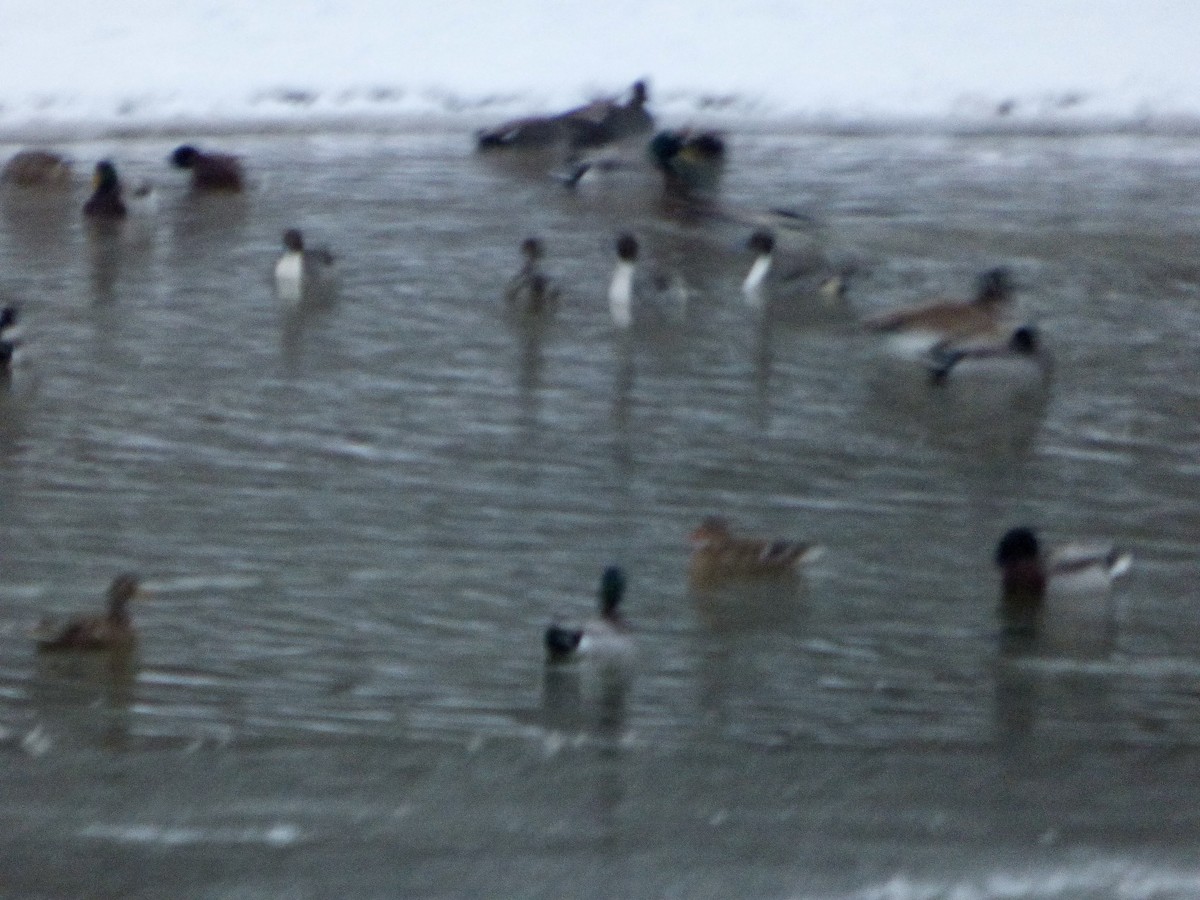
x: 606, y: 636
x: 1020, y: 354
x: 106, y: 201
x: 37, y: 168
x: 688, y: 160
x: 942, y: 320
x: 111, y: 631
x: 717, y: 552
x: 530, y: 291
x: 1027, y: 574
x: 210, y: 171
x: 806, y: 276
x: 300, y: 271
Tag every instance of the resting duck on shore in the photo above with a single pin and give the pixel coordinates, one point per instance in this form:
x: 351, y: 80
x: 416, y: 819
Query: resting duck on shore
x: 593, y: 125
x: 106, y: 202
x: 604, y: 637
x: 530, y: 290
x: 111, y: 631
x: 37, y: 168
x: 716, y: 552
x: 941, y: 320
x: 210, y: 171
x: 1027, y: 574
x: 1021, y: 354
x: 301, y: 272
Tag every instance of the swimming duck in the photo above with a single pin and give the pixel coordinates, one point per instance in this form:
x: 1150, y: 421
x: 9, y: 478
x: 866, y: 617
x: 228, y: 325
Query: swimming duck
x: 627, y: 289
x: 604, y: 637
x: 941, y: 320
x: 10, y: 343
x: 530, y: 290
x: 106, y: 201
x: 804, y: 277
x: 1020, y: 354
x: 37, y: 168
x: 300, y: 271
x: 717, y: 552
x: 1027, y: 574
x: 111, y: 631
x: 689, y: 161
x: 210, y: 171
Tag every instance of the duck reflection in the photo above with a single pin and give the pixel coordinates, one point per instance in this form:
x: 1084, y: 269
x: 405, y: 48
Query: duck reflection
x: 86, y: 698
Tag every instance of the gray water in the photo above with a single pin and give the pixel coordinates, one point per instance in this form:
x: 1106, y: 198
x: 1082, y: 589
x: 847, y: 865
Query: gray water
x: 355, y: 522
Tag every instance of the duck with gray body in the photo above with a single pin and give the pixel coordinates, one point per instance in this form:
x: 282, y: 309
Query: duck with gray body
x: 606, y: 636
x: 211, y: 172
x: 302, y: 273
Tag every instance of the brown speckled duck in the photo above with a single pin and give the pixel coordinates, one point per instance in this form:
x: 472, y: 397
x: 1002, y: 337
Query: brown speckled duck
x: 210, y: 171
x: 37, y: 168
x: 940, y: 320
x: 716, y: 552
x: 111, y: 631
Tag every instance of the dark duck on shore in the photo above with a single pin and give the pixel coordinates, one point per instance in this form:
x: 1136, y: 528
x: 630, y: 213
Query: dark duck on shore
x: 113, y: 630
x: 592, y: 125
x: 210, y: 171
x: 106, y: 202
x: 604, y: 637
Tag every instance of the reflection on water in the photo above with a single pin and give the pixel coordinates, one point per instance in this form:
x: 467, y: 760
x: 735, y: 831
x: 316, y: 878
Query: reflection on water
x: 363, y: 512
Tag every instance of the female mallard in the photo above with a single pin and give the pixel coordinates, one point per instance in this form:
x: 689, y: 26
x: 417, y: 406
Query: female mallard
x: 941, y: 320
x: 301, y: 272
x: 210, y: 171
x: 1027, y: 574
x: 106, y: 201
x: 606, y: 636
x: 37, y: 168
x: 716, y: 552
x: 111, y: 631
x: 530, y: 291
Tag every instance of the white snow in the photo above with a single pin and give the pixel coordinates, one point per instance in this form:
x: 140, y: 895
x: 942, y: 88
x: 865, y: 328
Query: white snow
x: 84, y: 64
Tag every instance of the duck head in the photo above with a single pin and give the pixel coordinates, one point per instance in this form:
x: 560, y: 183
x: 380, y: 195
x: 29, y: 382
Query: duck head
x: 761, y: 242
x: 184, y: 156
x: 627, y: 248
x: 293, y: 240
x: 612, y: 589
x: 994, y: 286
x: 105, y: 179
x: 123, y: 589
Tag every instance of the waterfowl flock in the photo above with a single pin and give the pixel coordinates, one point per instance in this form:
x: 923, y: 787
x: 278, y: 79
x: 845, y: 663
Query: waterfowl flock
x: 948, y: 338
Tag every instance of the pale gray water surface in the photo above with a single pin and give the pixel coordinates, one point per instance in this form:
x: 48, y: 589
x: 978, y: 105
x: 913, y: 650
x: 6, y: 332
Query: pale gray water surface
x: 355, y: 522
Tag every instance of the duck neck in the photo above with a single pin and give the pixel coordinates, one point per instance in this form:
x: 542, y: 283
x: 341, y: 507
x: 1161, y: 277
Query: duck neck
x: 757, y: 274
x: 118, y: 611
x: 620, y: 294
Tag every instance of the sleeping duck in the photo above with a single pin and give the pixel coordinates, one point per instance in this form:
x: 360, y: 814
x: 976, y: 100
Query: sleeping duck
x: 1020, y: 354
x: 941, y: 320
x: 605, y: 637
x: 111, y: 631
x: 530, y: 291
x: 37, y: 168
x: 593, y: 125
x: 106, y: 202
x: 689, y: 161
x: 301, y: 272
x: 210, y: 171
x: 1028, y: 575
x: 716, y: 553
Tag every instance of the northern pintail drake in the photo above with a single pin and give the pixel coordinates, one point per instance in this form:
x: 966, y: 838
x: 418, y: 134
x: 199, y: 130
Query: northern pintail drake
x: 37, y: 168
x: 1021, y: 354
x: 106, y: 201
x: 942, y: 320
x: 530, y: 290
x: 660, y: 294
x: 607, y: 636
x: 1027, y: 574
x: 302, y: 272
x: 717, y: 552
x: 689, y: 160
x: 210, y: 171
x: 113, y: 630
x: 592, y: 125
x: 10, y: 343
x: 801, y: 277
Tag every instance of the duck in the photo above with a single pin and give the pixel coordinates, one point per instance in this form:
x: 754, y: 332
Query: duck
x: 803, y: 277
x: 530, y: 291
x: 606, y: 637
x: 941, y: 320
x: 1027, y: 573
x: 690, y: 161
x: 111, y: 631
x: 661, y: 293
x: 210, y: 171
x: 37, y: 168
x: 717, y: 552
x: 106, y: 201
x: 594, y: 124
x: 10, y: 328
x: 300, y: 271
x: 10, y: 343
x: 1020, y: 354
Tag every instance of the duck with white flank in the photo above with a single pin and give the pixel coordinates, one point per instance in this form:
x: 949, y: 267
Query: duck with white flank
x: 1020, y: 355
x: 530, y: 290
x: 657, y: 294
x: 219, y: 172
x: 606, y: 637
x: 300, y: 272
x: 802, y: 277
x: 112, y: 630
